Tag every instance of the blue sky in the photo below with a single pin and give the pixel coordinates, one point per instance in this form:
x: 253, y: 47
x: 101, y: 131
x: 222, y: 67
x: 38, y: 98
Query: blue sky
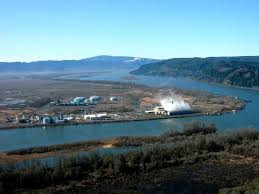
x: 63, y: 29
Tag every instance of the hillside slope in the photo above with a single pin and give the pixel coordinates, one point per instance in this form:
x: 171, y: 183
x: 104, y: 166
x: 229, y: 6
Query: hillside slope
x: 235, y: 71
x: 103, y: 62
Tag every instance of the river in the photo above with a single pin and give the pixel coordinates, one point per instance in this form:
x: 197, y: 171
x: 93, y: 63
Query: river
x: 39, y: 136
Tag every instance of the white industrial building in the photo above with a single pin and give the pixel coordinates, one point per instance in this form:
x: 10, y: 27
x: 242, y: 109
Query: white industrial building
x: 114, y: 98
x: 150, y: 112
x: 159, y: 110
x: 96, y: 116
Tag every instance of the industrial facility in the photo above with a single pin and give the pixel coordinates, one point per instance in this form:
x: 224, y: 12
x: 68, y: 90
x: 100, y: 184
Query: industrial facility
x: 114, y: 98
x: 159, y: 110
x: 100, y: 116
x: 94, y: 99
x: 78, y: 101
x: 168, y: 106
x: 171, y: 107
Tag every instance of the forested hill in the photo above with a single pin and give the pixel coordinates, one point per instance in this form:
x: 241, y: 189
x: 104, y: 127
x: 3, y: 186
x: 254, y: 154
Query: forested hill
x: 235, y: 71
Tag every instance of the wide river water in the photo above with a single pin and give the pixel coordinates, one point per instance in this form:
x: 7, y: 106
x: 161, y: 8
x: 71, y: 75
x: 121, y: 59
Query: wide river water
x: 29, y: 137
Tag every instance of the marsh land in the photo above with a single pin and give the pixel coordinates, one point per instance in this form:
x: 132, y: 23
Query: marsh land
x: 196, y: 159
x: 30, y: 96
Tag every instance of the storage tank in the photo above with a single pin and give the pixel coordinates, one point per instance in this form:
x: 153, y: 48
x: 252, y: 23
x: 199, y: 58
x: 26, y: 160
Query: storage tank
x: 78, y: 100
x: 94, y: 98
x: 86, y: 101
x: 46, y: 120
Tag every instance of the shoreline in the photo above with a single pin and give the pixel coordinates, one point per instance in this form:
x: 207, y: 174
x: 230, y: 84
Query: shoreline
x: 143, y: 117
x: 128, y: 83
x: 104, y: 121
x: 170, y: 155
x: 13, y: 157
x: 204, y: 81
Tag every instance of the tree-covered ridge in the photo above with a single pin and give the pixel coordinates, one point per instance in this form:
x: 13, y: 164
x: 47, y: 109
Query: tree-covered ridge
x: 236, y: 71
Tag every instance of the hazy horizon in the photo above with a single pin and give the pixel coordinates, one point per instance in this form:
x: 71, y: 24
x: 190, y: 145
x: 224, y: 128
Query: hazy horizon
x: 122, y: 56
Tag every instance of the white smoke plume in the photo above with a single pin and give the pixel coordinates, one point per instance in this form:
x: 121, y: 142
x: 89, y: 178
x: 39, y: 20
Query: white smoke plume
x: 172, y: 102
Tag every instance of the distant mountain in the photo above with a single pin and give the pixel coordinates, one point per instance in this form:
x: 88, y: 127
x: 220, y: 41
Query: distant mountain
x: 235, y: 71
x: 97, y: 63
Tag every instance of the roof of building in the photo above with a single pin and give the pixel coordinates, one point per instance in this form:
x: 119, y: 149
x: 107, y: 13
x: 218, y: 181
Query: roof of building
x: 160, y: 108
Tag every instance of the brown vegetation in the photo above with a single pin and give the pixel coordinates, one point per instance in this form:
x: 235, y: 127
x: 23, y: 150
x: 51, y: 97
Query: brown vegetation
x: 37, y: 92
x: 196, y: 159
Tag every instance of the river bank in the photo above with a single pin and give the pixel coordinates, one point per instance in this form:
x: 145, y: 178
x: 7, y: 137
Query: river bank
x: 134, y: 98
x: 195, y: 159
x: 242, y: 119
x: 144, y: 118
x: 150, y: 118
x: 10, y: 158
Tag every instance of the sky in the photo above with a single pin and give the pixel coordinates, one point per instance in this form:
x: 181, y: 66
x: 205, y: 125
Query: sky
x: 33, y: 30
